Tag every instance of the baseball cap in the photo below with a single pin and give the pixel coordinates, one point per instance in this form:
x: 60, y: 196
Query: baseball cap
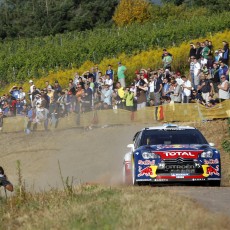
x: 30, y: 81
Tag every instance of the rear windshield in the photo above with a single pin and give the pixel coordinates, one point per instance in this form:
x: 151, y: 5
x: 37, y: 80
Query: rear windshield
x: 169, y: 137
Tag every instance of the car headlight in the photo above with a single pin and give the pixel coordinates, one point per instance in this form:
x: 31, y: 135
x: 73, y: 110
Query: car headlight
x: 150, y: 155
x: 207, y: 154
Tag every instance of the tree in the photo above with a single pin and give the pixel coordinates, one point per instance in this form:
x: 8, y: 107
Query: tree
x: 129, y: 11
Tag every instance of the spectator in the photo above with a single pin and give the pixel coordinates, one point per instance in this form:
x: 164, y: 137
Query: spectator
x: 121, y: 74
x: 198, y: 51
x: 14, y: 91
x: 4, y: 181
x: 167, y: 61
x: 110, y: 72
x: 86, y: 99
x: 141, y: 96
x: 31, y: 90
x: 223, y: 69
x: 187, y: 87
x: 109, y: 81
x: 225, y: 51
x: 216, y: 56
x: 157, y: 88
x: 206, y: 87
x: 19, y: 106
x: 22, y: 95
x: 47, y: 85
x: 205, y: 51
x: 129, y: 99
x: 175, y: 94
x: 192, y: 51
x: 120, y: 95
x: 107, y: 97
x: 224, y: 92
x: 166, y: 86
x: 57, y: 89
x: 197, y: 71
x: 215, y: 76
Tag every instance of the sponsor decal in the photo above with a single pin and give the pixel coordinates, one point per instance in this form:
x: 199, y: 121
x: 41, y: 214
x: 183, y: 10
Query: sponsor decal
x: 179, y: 154
x: 160, y: 180
x: 147, y: 171
x: 182, y: 167
x: 179, y: 175
x: 209, y: 170
x: 211, y: 161
x: 146, y: 162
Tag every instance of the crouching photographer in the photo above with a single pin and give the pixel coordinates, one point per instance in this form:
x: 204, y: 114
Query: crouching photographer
x: 4, y: 181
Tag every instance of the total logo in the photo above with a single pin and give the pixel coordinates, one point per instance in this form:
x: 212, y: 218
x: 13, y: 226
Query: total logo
x: 179, y: 154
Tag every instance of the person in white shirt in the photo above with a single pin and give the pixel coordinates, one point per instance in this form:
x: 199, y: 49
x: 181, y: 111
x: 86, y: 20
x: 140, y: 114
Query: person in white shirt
x: 108, y: 81
x: 187, y: 87
x: 196, y: 71
x: 224, y: 89
x: 31, y: 90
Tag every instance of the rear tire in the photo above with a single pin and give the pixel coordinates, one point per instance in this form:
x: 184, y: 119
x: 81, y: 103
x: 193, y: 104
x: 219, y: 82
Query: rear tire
x: 127, y: 177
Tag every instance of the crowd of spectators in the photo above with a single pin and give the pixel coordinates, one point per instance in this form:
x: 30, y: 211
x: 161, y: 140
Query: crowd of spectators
x: 207, y: 82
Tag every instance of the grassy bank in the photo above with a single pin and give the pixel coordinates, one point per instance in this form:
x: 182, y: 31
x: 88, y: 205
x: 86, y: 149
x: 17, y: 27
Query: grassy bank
x: 98, y: 207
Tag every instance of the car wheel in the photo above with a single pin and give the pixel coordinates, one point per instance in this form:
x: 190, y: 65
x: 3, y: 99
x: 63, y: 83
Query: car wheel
x: 214, y: 183
x: 134, y: 173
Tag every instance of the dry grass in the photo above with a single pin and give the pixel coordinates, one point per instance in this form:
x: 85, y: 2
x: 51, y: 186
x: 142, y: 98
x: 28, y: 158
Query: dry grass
x: 98, y: 207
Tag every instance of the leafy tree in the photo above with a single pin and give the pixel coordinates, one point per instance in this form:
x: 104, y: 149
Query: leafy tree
x: 129, y: 11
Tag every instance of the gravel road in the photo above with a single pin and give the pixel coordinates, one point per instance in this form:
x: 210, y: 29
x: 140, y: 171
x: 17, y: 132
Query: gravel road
x: 93, y: 156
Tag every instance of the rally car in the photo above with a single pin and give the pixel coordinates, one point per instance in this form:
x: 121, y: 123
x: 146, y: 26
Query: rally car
x: 171, y: 153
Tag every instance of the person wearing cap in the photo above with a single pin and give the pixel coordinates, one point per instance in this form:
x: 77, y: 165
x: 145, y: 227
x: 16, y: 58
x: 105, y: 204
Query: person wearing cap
x: 216, y: 56
x: 224, y: 86
x: 121, y: 70
x: 14, y: 91
x: 4, y: 181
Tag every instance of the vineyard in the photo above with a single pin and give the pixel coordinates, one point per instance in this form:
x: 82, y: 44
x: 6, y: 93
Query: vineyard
x: 22, y: 59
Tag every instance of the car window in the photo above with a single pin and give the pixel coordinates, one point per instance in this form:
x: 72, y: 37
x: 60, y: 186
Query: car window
x: 169, y: 137
x: 137, y: 140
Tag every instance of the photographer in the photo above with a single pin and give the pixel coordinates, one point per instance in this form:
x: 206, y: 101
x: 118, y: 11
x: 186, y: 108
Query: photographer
x: 129, y: 99
x: 4, y: 182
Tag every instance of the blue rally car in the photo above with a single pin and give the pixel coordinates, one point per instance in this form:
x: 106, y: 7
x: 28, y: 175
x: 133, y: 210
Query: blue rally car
x: 171, y: 153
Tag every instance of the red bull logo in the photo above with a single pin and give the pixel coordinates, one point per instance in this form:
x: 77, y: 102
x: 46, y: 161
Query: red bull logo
x: 148, y: 171
x: 209, y: 170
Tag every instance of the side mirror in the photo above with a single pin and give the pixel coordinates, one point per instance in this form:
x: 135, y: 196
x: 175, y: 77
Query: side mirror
x: 212, y: 144
x: 131, y: 146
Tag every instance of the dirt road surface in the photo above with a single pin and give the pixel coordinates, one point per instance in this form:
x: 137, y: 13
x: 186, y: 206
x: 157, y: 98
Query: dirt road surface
x: 93, y: 156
